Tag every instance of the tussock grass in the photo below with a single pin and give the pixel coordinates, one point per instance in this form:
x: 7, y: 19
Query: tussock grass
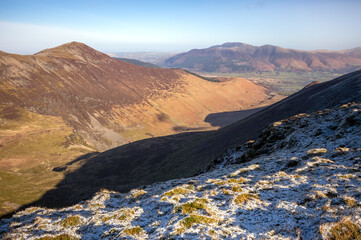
x: 345, y: 230
x: 242, y: 198
x: 351, y: 202
x: 71, y: 221
x: 228, y: 181
x: 190, y: 207
x: 185, y: 189
x: 134, y: 231
x: 58, y: 237
x: 188, y: 222
x: 135, y: 193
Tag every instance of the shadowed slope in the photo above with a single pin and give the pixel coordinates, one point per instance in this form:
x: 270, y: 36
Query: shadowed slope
x: 182, y: 155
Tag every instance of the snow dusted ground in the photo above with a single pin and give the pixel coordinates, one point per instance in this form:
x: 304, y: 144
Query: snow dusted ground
x: 296, y: 181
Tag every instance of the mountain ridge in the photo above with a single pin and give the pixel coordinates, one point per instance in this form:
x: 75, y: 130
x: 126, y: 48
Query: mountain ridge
x: 240, y: 57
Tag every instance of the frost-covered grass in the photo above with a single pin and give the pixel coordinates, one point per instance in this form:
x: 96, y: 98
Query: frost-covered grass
x: 71, y: 221
x: 286, y: 193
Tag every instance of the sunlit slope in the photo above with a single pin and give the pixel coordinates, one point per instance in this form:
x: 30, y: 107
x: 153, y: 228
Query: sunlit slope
x: 110, y: 102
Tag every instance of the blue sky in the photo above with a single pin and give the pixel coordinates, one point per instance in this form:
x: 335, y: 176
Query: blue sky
x: 174, y: 25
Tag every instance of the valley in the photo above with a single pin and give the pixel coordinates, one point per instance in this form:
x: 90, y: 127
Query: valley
x: 63, y: 105
x: 199, y: 120
x: 58, y: 125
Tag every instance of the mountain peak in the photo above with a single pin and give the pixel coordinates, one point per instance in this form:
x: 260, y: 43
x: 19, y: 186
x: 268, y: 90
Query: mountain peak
x: 73, y: 50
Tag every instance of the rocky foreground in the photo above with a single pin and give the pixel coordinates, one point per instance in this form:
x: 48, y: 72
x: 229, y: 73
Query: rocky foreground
x: 300, y: 180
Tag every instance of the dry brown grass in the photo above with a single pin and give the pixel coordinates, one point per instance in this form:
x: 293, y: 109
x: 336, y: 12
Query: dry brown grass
x: 196, y: 219
x: 351, y: 202
x: 241, y: 199
x: 134, y: 231
x: 190, y: 207
x: 185, y: 189
x: 58, y: 237
x: 71, y: 221
x: 345, y: 230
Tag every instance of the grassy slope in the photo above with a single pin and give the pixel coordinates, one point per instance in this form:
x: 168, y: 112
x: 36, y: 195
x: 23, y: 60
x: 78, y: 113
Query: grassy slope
x: 31, y: 145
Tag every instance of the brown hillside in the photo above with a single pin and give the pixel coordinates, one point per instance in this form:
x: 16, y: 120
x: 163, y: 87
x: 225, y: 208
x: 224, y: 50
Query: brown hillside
x: 110, y: 102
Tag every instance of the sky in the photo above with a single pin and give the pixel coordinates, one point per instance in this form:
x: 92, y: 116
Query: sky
x: 28, y: 26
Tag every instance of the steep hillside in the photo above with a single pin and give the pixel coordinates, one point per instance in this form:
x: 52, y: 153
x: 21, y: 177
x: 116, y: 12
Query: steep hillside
x: 184, y: 155
x: 303, y: 182
x: 110, y: 102
x: 240, y: 57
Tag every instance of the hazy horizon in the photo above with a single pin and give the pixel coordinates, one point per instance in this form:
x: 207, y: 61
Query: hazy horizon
x: 176, y: 26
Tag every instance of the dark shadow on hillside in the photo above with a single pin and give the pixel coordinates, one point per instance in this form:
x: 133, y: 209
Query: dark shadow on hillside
x: 82, y: 157
x: 226, y: 118
x: 183, y: 155
x: 123, y: 168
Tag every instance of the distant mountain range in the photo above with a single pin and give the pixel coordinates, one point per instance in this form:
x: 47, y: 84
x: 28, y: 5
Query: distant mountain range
x: 240, y: 57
